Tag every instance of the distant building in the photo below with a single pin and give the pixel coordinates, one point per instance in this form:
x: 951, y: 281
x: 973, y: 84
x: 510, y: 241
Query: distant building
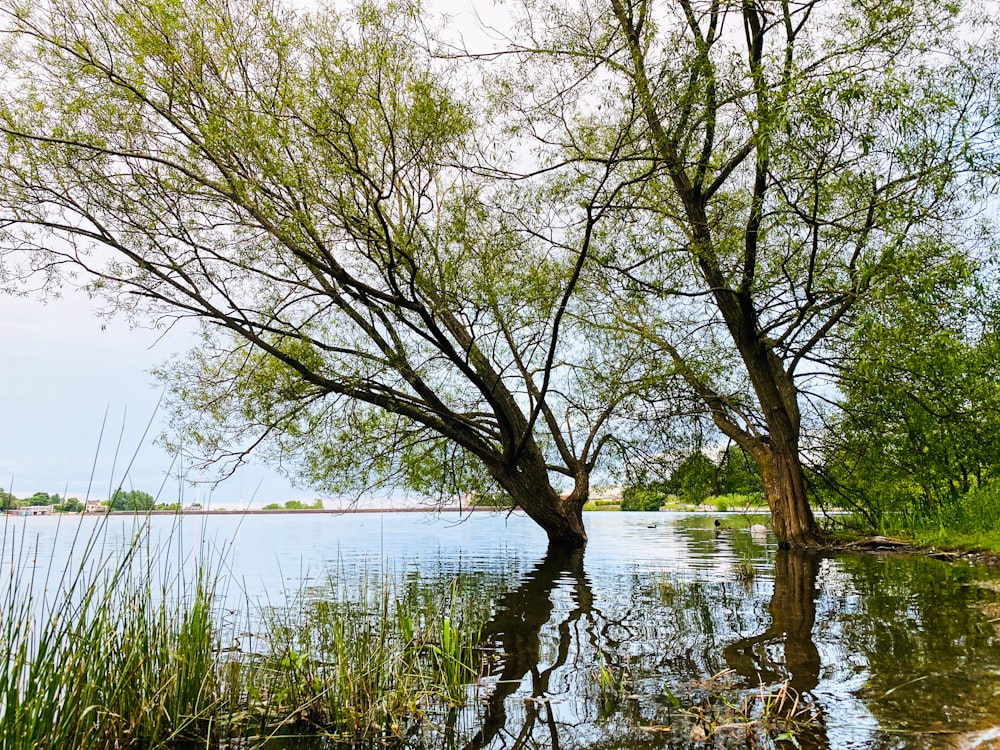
x: 94, y: 506
x: 33, y: 510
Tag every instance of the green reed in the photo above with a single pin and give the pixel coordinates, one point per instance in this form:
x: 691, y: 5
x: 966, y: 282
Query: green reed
x: 362, y: 662
x: 104, y: 653
x: 124, y: 652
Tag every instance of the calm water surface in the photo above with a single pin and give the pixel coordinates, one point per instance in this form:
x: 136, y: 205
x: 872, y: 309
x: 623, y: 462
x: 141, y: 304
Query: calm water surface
x: 885, y: 652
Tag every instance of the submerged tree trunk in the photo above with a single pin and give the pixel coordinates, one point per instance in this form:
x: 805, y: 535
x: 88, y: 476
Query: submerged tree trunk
x: 785, y: 489
x: 777, y: 453
x: 778, y: 457
x: 561, y: 517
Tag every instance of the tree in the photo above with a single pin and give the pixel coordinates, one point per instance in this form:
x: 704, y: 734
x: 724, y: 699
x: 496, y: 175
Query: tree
x: 43, y: 498
x: 921, y: 416
x: 131, y: 500
x: 785, y: 159
x: 295, y: 505
x: 71, y: 505
x: 648, y: 497
x: 738, y: 473
x: 372, y: 313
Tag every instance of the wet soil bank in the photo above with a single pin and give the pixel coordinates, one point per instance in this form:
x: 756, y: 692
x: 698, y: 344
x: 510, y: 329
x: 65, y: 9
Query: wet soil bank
x: 889, y: 545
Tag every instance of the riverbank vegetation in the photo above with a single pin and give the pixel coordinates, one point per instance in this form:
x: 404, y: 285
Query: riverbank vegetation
x: 914, y: 447
x: 127, y: 653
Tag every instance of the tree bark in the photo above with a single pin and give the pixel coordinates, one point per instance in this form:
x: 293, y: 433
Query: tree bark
x: 777, y: 453
x: 527, y: 482
x: 785, y: 488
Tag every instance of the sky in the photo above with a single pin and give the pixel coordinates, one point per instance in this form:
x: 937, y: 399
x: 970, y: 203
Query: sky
x: 64, y: 372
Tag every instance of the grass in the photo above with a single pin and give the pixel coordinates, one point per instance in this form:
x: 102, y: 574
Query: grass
x: 122, y: 652
x: 938, y: 536
x: 104, y: 656
x: 968, y: 522
x: 592, y: 505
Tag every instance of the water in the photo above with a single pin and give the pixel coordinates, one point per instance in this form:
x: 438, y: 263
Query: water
x: 882, y: 652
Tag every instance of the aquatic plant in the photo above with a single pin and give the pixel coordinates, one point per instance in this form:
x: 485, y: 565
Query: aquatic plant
x: 745, y: 571
x: 728, y: 717
x: 106, y: 653
x: 124, y: 652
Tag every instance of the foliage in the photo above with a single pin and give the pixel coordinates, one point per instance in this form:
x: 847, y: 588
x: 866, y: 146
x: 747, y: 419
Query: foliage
x: 918, y: 437
x: 648, y: 497
x: 766, y: 205
x: 59, y: 504
x: 697, y: 478
x: 738, y: 473
x: 72, y: 505
x: 296, y: 505
x: 131, y: 500
x: 374, y: 312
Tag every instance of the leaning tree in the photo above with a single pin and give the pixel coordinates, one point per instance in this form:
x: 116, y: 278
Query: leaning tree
x: 371, y: 311
x: 788, y: 158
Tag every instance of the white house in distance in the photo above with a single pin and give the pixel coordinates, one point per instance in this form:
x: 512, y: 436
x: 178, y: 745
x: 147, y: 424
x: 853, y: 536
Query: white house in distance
x: 32, y: 510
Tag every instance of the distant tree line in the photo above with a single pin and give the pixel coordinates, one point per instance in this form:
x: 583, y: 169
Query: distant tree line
x: 59, y: 504
x: 295, y: 505
x: 695, y: 478
x: 121, y: 500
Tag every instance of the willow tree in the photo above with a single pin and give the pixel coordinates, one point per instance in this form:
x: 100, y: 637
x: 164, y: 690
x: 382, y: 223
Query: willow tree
x: 787, y: 157
x: 372, y: 313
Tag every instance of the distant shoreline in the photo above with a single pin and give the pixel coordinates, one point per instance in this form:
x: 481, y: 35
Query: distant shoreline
x: 345, y: 511
x: 286, y: 511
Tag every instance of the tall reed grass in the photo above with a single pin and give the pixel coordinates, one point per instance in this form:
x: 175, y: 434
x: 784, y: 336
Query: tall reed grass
x: 126, y: 651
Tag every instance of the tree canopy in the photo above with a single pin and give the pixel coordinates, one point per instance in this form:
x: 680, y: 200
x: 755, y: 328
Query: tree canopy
x: 787, y: 159
x: 131, y: 500
x: 373, y: 310
x: 464, y: 273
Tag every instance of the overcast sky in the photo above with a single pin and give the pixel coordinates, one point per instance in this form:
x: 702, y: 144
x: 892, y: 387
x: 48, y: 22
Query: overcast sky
x: 63, y: 368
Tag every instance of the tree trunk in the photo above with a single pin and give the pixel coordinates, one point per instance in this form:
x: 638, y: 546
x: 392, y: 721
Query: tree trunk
x: 778, y: 453
x: 785, y: 489
x: 561, y: 517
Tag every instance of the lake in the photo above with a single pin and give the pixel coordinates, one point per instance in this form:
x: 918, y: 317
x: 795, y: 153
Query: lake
x: 653, y: 637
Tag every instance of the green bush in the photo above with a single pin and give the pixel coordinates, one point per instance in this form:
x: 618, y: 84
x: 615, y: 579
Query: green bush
x: 643, y: 498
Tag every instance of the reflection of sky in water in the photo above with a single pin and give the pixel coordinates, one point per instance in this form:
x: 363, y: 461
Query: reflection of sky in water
x: 901, y: 643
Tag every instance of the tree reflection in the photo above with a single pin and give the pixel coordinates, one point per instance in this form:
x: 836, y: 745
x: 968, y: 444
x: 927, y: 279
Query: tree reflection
x: 793, y: 615
x: 887, y: 641
x: 534, y: 646
x: 786, y: 651
x: 516, y: 632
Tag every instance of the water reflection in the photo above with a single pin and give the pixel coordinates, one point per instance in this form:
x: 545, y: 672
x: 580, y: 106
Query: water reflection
x: 632, y: 675
x: 514, y: 634
x: 785, y: 651
x: 617, y: 647
x: 896, y: 653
